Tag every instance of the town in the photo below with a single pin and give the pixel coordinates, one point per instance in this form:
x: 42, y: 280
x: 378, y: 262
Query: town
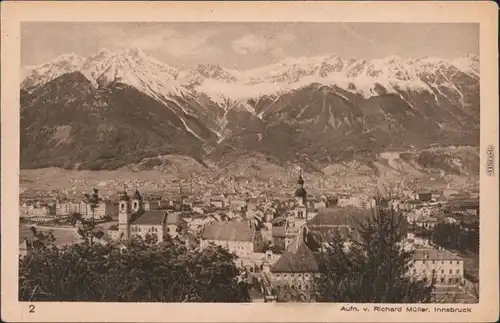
x: 273, y: 235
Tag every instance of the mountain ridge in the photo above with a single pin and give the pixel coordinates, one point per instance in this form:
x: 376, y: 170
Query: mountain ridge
x: 327, y: 109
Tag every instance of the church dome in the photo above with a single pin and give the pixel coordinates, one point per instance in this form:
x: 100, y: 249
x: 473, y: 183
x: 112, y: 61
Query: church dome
x: 124, y: 196
x: 300, y: 192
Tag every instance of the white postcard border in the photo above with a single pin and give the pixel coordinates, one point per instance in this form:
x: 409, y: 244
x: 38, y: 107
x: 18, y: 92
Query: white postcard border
x: 12, y: 13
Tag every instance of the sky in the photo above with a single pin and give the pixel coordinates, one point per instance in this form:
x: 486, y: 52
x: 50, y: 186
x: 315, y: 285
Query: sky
x: 247, y: 45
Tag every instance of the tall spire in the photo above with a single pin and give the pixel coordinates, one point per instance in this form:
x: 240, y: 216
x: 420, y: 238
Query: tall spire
x: 301, y: 179
x: 137, y: 195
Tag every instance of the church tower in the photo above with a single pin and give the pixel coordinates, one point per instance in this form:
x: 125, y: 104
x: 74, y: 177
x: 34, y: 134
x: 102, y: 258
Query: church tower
x: 137, y: 202
x: 300, y: 208
x: 124, y: 215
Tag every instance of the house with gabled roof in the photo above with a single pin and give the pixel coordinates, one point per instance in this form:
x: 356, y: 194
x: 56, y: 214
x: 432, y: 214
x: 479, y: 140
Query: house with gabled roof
x: 297, y: 267
x: 240, y: 237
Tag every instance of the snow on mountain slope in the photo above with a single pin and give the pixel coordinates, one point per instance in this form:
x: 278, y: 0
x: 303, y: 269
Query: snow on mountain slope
x: 131, y: 66
x: 34, y: 76
x: 366, y: 77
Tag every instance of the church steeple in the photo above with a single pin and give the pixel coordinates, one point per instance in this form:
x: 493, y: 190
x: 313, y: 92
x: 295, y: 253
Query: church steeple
x: 137, y: 201
x: 300, y: 192
x: 124, y: 196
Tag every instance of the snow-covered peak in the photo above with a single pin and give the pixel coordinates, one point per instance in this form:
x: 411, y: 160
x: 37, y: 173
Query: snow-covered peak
x: 135, y: 67
x: 467, y: 64
x: 37, y: 75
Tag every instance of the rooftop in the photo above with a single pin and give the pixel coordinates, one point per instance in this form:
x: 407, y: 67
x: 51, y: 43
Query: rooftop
x: 229, y: 231
x: 433, y: 254
x: 302, y: 260
x: 338, y: 216
x: 153, y: 217
x: 175, y: 218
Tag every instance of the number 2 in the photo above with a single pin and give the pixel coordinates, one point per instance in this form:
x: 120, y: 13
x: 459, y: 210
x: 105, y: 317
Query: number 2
x: 32, y: 309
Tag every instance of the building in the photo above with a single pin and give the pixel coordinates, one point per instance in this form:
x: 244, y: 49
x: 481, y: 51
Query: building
x: 423, y: 212
x: 465, y: 207
x: 238, y: 204
x: 103, y: 209
x: 446, y: 267
x: 332, y: 222
x: 175, y: 224
x: 155, y: 204
x: 68, y: 207
x: 38, y: 211
x: 424, y: 196
x: 426, y: 223
x: 133, y: 220
x: 240, y: 237
x: 217, y: 203
x: 152, y: 223
x: 296, y: 268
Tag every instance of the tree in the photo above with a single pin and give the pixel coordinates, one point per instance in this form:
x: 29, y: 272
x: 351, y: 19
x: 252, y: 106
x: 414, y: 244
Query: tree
x: 375, y: 267
x: 151, y: 238
x: 41, y: 239
x: 89, y: 229
x: 447, y: 235
x: 93, y: 200
x: 75, y: 217
x: 463, y: 236
x: 136, y: 272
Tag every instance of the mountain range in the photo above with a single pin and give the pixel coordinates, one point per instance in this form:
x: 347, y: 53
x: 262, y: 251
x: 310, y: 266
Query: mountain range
x: 114, y: 109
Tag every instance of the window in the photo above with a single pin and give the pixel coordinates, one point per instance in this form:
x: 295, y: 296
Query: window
x: 449, y: 280
x: 442, y: 280
x: 458, y: 271
x: 451, y: 271
x: 458, y: 262
x: 123, y: 206
x: 442, y: 262
x: 451, y: 262
x: 442, y: 271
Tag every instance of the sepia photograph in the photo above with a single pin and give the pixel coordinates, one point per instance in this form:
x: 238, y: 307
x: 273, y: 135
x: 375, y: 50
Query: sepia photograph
x: 251, y: 162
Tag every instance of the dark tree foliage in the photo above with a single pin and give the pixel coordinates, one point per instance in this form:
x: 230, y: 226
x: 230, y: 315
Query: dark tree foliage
x: 136, y: 272
x: 74, y: 218
x: 462, y: 236
x: 88, y: 229
x: 374, y: 268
